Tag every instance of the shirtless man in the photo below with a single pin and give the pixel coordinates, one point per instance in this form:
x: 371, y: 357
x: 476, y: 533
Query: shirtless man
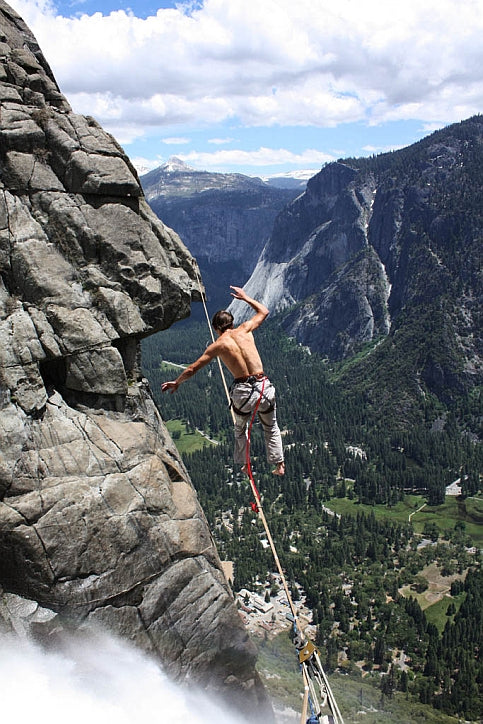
x: 236, y: 348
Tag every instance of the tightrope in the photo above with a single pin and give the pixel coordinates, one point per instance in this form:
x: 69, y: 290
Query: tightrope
x: 309, y: 659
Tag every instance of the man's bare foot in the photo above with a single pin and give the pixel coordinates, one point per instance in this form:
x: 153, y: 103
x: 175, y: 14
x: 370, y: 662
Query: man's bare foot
x: 280, y: 469
x: 245, y: 469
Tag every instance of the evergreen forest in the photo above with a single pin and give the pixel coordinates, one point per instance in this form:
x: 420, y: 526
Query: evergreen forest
x: 353, y: 464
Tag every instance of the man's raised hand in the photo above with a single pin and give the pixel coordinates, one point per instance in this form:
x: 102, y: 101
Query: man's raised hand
x: 238, y: 293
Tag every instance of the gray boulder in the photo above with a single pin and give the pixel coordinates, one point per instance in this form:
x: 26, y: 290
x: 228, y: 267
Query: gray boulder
x: 99, y: 521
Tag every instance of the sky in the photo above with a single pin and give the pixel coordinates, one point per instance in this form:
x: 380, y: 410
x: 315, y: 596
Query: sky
x: 263, y: 87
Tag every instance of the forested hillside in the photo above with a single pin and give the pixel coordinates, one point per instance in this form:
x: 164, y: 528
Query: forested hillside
x: 354, y: 567
x: 320, y: 415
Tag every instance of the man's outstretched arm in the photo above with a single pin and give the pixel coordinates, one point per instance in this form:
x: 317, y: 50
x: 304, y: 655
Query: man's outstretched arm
x: 261, y: 311
x: 209, y: 354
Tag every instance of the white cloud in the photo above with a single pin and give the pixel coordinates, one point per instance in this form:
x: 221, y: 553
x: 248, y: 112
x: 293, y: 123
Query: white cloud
x: 143, y: 165
x: 380, y: 149
x: 220, y: 141
x: 226, y: 160
x: 176, y: 140
x: 264, y: 63
x: 262, y: 157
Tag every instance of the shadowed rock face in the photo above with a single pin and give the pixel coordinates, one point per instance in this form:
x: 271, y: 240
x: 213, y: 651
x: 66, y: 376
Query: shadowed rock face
x: 379, y: 245
x: 99, y: 521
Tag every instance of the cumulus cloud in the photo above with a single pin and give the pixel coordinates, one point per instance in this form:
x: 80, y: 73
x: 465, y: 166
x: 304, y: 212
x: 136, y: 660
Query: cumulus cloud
x: 267, y: 63
x: 262, y: 157
x: 143, y: 164
x: 226, y: 160
x: 381, y: 149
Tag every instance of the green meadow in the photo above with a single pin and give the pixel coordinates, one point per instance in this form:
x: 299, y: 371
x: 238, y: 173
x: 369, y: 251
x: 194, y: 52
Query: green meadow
x: 186, y: 441
x: 454, y: 510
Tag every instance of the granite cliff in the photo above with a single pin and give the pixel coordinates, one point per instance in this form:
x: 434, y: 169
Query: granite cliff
x: 99, y: 521
x: 386, y: 251
x: 225, y: 219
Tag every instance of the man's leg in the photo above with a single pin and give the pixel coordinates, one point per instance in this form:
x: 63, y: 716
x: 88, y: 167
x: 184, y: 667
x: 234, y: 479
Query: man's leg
x: 242, y: 398
x: 273, y: 440
x: 240, y: 449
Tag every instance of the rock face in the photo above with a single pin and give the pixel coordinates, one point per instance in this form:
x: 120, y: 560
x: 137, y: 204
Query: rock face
x: 99, y: 521
x: 319, y: 266
x: 375, y: 246
x: 224, y: 219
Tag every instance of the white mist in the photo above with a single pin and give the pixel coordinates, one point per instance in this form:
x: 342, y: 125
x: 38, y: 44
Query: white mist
x: 95, y: 679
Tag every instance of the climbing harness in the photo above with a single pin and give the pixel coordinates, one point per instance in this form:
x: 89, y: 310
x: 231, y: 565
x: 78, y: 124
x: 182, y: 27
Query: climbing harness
x: 251, y: 381
x: 317, y: 692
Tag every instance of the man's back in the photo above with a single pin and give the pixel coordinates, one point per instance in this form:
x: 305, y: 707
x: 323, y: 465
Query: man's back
x: 235, y: 346
x: 238, y: 351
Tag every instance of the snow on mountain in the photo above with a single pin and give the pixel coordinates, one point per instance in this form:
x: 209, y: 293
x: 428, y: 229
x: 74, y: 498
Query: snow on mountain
x: 291, y: 179
x: 175, y: 164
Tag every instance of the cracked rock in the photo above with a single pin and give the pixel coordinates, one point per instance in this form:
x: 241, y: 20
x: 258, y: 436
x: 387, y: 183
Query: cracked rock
x: 99, y: 520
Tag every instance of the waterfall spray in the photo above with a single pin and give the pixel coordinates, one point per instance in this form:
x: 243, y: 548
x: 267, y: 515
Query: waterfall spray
x: 98, y: 679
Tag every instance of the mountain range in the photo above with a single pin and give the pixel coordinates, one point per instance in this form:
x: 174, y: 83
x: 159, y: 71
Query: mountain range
x: 225, y: 219
x: 101, y: 525
x: 376, y: 270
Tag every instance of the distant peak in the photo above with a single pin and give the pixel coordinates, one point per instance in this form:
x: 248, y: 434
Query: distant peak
x: 174, y: 164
